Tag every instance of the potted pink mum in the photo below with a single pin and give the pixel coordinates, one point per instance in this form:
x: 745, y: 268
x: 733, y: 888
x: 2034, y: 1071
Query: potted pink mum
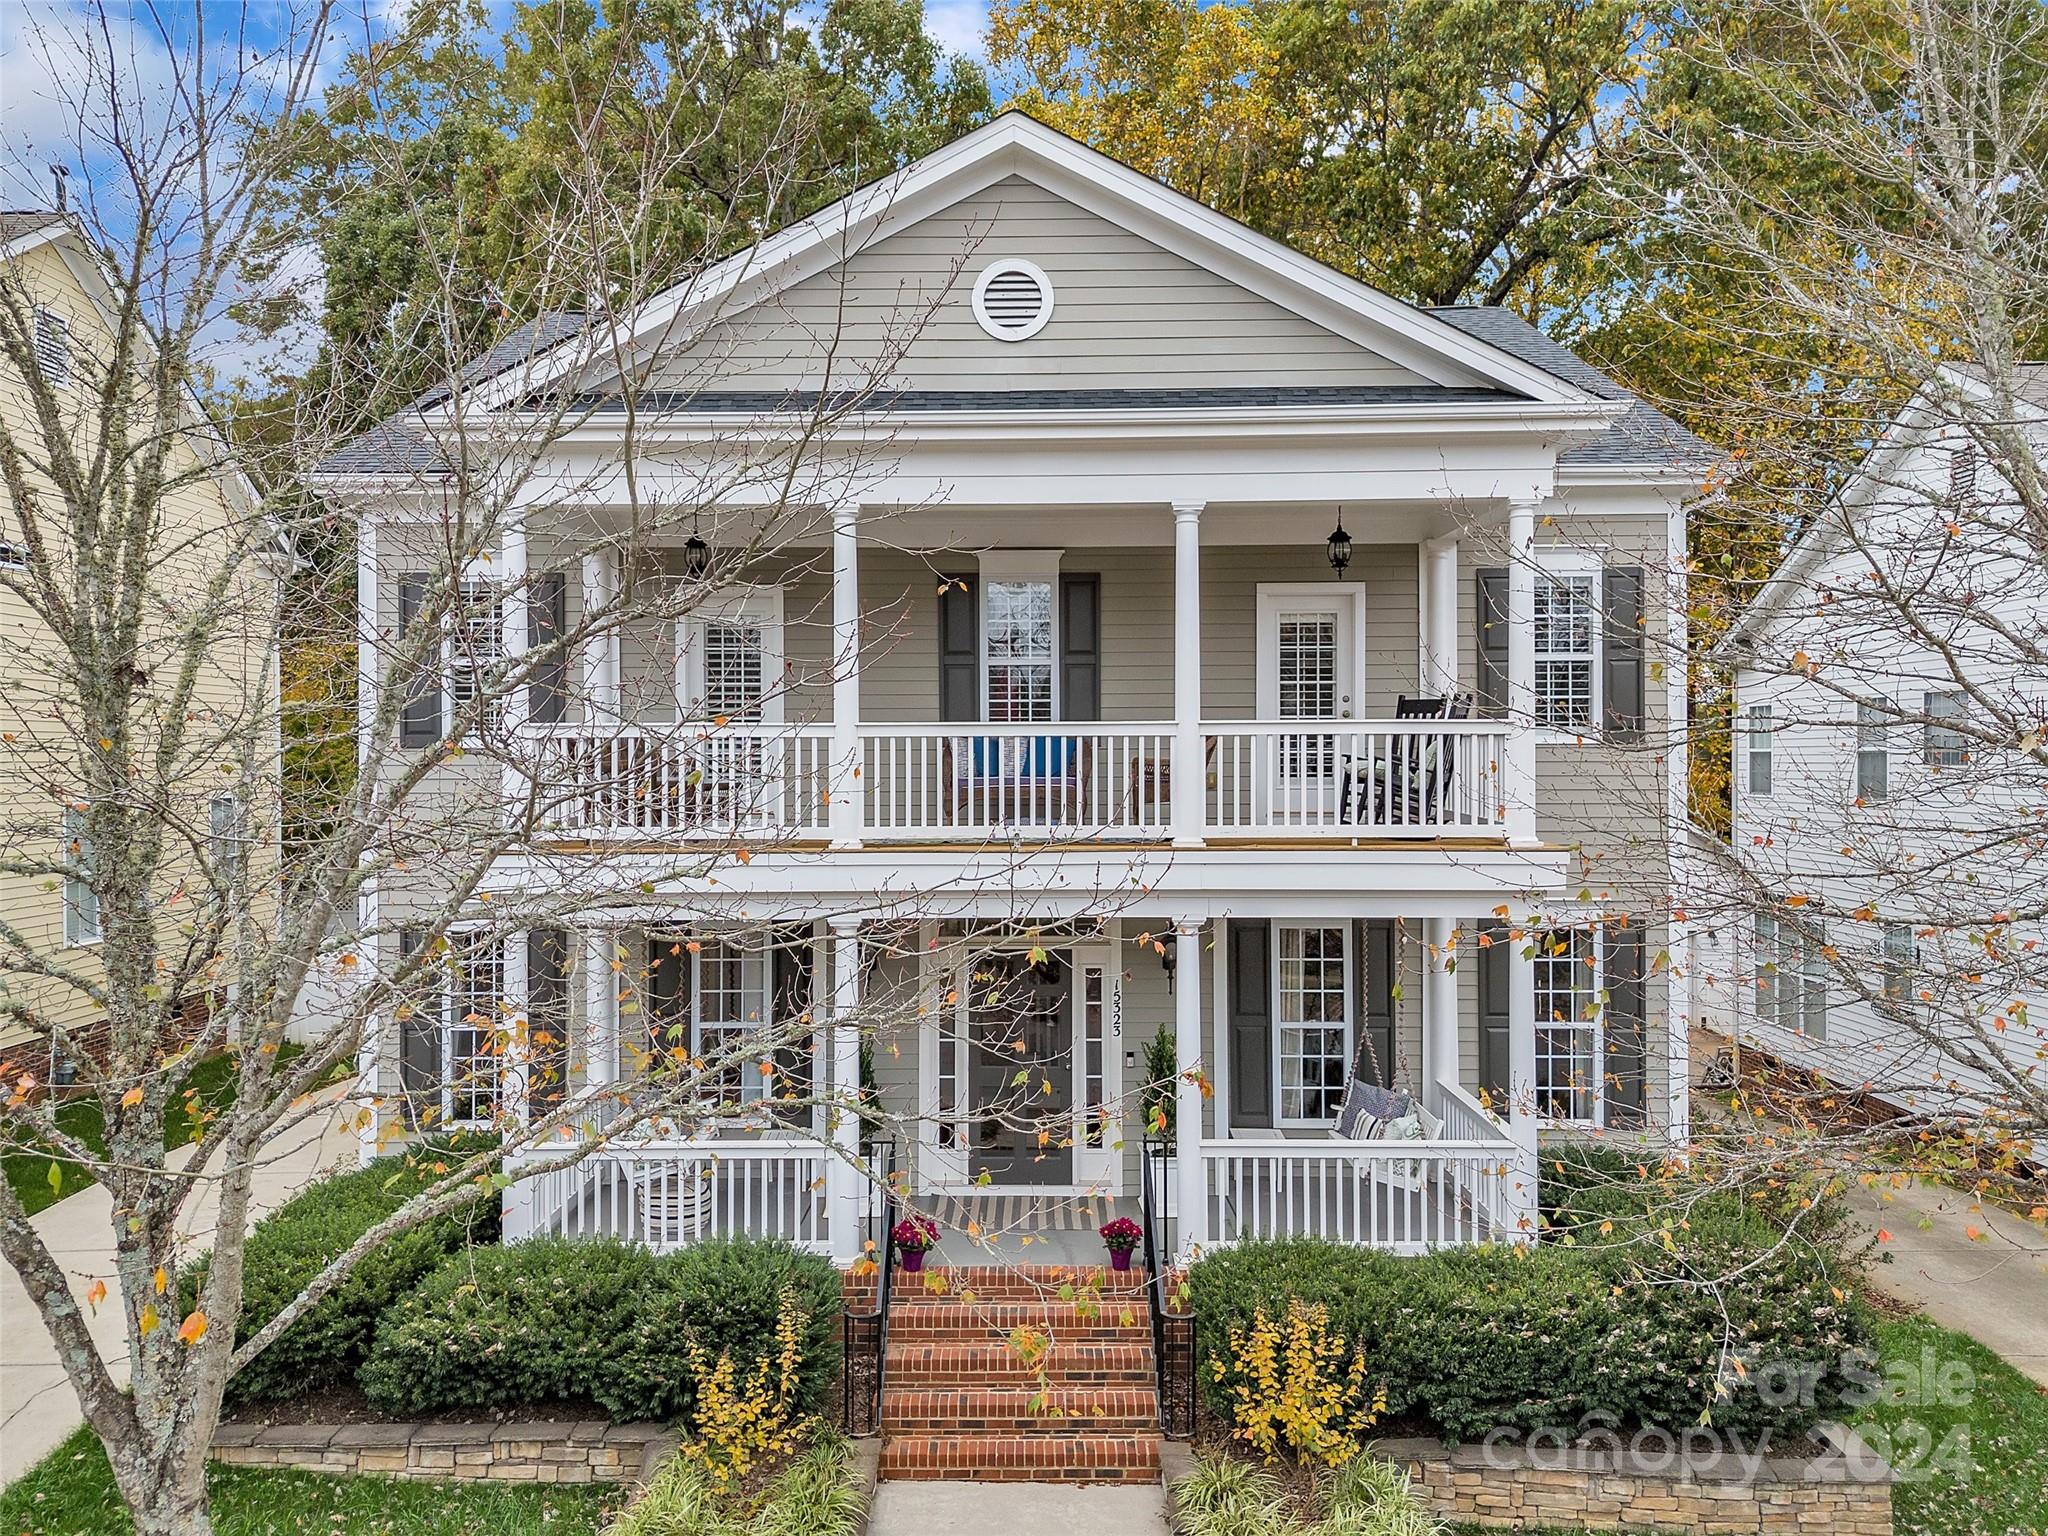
x: 915, y: 1236
x: 1120, y: 1237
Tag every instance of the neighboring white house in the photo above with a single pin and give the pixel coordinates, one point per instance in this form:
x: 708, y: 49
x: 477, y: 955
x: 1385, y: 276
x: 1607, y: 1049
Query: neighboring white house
x: 1881, y: 921
x: 1062, y: 675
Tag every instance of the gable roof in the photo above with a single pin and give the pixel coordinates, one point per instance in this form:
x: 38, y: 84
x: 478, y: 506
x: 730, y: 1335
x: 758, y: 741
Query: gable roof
x: 1469, y: 354
x: 1822, y: 537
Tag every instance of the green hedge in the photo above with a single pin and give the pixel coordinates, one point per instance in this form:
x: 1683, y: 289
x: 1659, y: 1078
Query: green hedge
x: 1476, y: 1339
x: 287, y: 1248
x: 547, y: 1321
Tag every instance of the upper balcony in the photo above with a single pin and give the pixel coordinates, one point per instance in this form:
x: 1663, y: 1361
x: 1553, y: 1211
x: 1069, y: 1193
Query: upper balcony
x: 1224, y: 690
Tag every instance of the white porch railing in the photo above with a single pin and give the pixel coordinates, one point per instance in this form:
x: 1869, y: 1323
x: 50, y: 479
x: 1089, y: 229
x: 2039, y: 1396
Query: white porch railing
x: 1406, y: 778
x: 683, y: 780
x: 666, y: 1195
x: 954, y: 783
x: 1468, y: 1186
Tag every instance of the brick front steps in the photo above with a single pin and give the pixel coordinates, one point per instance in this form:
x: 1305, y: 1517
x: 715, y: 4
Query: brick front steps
x: 962, y: 1401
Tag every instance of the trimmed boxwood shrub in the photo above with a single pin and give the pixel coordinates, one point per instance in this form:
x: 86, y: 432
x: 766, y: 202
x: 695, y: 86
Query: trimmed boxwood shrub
x: 549, y: 1320
x: 287, y: 1248
x: 1600, y: 1335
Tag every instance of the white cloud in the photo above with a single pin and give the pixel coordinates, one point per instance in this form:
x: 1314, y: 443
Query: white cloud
x: 959, y: 26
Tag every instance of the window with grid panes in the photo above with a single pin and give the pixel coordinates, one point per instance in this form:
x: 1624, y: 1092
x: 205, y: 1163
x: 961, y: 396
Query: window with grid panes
x: 1567, y: 1025
x: 1313, y: 1024
x: 476, y: 983
x: 1873, y: 751
x: 1019, y: 651
x: 1566, y: 636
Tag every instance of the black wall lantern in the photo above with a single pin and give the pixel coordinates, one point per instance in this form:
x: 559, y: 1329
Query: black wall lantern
x: 696, y: 558
x: 1340, y: 546
x: 1169, y: 957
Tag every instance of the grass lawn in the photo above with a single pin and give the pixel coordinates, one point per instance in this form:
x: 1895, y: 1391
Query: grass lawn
x: 1985, y: 1455
x: 72, y: 1494
x: 213, y: 1085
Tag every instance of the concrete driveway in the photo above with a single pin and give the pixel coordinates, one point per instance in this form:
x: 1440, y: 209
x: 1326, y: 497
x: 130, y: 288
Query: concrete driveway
x: 38, y: 1409
x: 1993, y: 1286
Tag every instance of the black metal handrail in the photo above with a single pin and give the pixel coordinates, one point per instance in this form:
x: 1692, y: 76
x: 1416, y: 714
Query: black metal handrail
x: 877, y: 1320
x: 1155, y: 1303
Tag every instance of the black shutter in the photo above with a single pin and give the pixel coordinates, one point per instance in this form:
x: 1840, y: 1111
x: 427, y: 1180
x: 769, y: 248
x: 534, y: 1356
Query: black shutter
x: 794, y: 1059
x: 547, y: 618
x: 547, y: 1017
x: 1251, y: 1021
x: 419, y: 1033
x: 1494, y: 980
x: 419, y: 718
x: 959, y: 650
x: 1622, y: 686
x: 668, y: 996
x: 1490, y: 604
x: 1624, y: 1022
x: 1374, y: 938
x: 1080, y: 647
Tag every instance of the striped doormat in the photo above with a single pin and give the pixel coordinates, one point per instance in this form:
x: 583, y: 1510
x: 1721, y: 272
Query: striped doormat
x: 1002, y: 1215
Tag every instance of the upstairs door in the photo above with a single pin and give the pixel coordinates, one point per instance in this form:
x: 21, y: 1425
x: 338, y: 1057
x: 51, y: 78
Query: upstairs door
x: 1310, y: 665
x: 729, y: 691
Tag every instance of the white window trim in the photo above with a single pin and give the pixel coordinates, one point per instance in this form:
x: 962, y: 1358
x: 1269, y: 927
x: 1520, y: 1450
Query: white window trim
x: 1278, y: 597
x: 1597, y: 1024
x: 76, y: 934
x: 1751, y: 752
x: 446, y: 997
x: 1572, y: 560
x: 758, y: 965
x: 1884, y: 723
x: 1344, y: 927
x: 1019, y: 566
x: 474, y: 573
x: 229, y: 848
x: 757, y: 604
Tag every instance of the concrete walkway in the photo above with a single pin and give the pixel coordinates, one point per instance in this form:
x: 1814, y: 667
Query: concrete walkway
x: 1042, y: 1509
x: 38, y: 1409
x: 1994, y: 1287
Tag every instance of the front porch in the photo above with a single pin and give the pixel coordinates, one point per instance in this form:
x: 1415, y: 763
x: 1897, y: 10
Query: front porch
x: 955, y: 1014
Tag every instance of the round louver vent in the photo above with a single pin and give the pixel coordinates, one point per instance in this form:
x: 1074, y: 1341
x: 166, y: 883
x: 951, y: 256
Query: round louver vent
x: 1013, y: 300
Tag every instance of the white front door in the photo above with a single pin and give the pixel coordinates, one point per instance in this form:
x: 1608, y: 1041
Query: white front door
x: 1310, y: 665
x: 1098, y: 1071
x: 729, y: 678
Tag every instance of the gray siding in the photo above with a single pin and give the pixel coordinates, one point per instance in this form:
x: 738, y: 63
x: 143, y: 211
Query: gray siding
x: 1126, y: 314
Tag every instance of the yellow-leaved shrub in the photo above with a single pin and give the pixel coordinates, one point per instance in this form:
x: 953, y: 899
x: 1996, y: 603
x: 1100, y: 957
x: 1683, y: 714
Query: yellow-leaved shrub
x: 1297, y: 1382
x: 740, y: 1419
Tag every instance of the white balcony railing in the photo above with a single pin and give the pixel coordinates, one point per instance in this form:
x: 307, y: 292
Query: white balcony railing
x: 684, y: 780
x: 943, y: 783
x: 1404, y: 778
x: 949, y: 783
x: 667, y: 1194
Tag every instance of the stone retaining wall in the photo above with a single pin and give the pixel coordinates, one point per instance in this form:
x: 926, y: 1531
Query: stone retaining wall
x: 1845, y: 1492
x: 537, y: 1451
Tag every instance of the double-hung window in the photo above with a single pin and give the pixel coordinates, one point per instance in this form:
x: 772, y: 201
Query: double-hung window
x: 1758, y: 744
x: 1019, y: 644
x: 1764, y: 965
x: 1873, y: 750
x: 1789, y: 972
x: 1567, y: 1025
x: 474, y: 647
x: 471, y: 1039
x: 730, y: 1006
x: 1901, y: 958
x: 1813, y: 1001
x: 1567, y: 650
x: 1946, y: 746
x: 225, y: 840
x: 1312, y: 1036
x: 81, y: 901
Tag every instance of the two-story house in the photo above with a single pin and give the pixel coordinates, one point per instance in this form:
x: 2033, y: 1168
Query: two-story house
x: 50, y: 931
x: 1177, y: 635
x: 1878, y: 911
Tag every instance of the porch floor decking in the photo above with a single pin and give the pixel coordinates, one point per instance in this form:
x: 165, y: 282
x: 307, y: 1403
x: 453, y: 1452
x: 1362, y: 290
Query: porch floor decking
x: 1024, y: 1226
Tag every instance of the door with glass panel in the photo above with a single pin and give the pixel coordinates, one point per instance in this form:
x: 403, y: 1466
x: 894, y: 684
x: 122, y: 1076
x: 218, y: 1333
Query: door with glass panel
x: 728, y: 690
x: 1020, y: 1046
x: 1308, y: 675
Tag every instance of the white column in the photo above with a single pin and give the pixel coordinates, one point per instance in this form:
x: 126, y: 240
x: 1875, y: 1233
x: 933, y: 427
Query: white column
x: 1192, y: 1194
x: 1522, y: 1074
x: 517, y: 1069
x: 600, y: 1007
x: 847, y: 795
x: 1190, y: 778
x: 512, y: 575
x: 843, y: 1175
x: 600, y: 659
x: 1439, y: 583
x: 1519, y: 769
x: 1439, y: 1004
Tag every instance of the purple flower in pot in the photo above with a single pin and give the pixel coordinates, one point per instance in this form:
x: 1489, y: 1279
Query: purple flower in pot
x: 915, y: 1236
x: 1120, y: 1237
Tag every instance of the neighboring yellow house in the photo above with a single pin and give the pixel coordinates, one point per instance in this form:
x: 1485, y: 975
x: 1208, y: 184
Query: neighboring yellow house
x: 49, y: 268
